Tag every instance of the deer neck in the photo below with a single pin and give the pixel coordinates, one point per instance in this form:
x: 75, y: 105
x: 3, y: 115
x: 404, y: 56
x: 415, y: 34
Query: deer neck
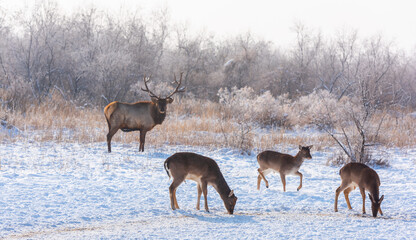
x: 298, y: 159
x: 222, y: 187
x: 157, y: 116
x: 374, y: 191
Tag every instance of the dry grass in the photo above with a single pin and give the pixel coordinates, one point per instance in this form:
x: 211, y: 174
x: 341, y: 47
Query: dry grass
x: 189, y: 122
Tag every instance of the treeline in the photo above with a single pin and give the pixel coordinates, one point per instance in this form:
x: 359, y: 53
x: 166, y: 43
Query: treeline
x: 92, y: 58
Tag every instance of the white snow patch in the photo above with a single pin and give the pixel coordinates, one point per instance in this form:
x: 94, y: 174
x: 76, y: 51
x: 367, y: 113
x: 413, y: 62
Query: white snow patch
x: 79, y: 191
x: 229, y: 62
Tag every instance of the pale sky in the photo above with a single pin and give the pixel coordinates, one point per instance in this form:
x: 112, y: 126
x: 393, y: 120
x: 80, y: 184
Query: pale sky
x: 272, y: 20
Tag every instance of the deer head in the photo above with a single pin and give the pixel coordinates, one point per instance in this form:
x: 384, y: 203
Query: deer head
x: 230, y: 202
x: 306, y: 151
x: 375, y: 205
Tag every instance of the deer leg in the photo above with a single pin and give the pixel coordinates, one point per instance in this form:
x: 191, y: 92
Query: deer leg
x: 199, y: 196
x: 175, y: 200
x: 347, y: 199
x: 204, y: 188
x: 110, y: 135
x: 261, y: 176
x: 283, y: 177
x: 341, y: 188
x: 258, y: 182
x: 301, y: 176
x: 379, y: 210
x: 172, y: 193
x: 142, y: 140
x: 362, y: 191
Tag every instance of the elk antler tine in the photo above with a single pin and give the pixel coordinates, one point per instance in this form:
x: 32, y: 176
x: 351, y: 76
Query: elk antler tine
x: 146, y: 89
x: 177, y: 89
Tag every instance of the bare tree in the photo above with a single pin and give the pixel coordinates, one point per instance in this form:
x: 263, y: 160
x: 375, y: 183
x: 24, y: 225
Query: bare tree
x: 304, y: 53
x: 333, y: 64
x: 358, y: 128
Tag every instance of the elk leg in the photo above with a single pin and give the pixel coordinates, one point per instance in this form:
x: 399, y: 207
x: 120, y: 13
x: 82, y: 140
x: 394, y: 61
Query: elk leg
x: 110, y: 135
x: 341, y: 188
x: 259, y: 180
x: 172, y: 193
x: 362, y: 191
x: 283, y: 177
x: 199, y: 196
x: 347, y: 199
x: 205, y: 192
x: 142, y: 139
x: 301, y: 176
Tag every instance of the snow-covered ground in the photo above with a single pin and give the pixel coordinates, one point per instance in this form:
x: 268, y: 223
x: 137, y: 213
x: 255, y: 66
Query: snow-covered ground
x: 79, y: 191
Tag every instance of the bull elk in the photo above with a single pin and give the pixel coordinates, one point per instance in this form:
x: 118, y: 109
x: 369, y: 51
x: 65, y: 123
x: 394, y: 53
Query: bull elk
x: 204, y: 171
x: 358, y: 174
x: 140, y: 116
x: 285, y: 164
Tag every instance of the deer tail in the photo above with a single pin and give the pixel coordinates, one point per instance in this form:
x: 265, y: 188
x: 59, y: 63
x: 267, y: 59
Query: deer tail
x: 166, y: 165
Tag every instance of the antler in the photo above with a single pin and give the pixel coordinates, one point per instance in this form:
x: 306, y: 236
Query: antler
x: 145, y: 80
x: 177, y: 87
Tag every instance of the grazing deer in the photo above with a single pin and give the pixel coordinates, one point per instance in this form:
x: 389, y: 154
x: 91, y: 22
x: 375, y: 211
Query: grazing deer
x: 285, y: 164
x: 358, y: 174
x: 204, y: 171
x: 140, y: 116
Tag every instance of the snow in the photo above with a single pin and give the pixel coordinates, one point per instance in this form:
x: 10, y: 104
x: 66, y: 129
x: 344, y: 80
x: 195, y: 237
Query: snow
x: 79, y: 191
x: 228, y: 62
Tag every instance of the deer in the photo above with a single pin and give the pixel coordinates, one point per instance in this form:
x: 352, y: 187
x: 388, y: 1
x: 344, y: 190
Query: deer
x: 285, y: 164
x: 204, y: 171
x: 357, y: 174
x: 140, y: 116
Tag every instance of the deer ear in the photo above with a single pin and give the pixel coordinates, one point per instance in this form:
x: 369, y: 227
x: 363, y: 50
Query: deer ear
x: 231, y: 193
x: 310, y: 146
x: 300, y: 147
x: 371, y: 198
x: 381, y: 199
x: 169, y: 100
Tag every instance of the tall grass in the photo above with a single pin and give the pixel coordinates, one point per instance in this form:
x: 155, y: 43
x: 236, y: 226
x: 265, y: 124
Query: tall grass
x: 188, y: 122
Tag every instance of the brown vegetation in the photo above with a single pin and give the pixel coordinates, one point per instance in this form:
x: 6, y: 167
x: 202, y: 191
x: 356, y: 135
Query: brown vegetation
x: 190, y: 122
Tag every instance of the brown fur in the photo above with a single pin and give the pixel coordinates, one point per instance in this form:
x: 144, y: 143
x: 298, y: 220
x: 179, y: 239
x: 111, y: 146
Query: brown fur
x: 140, y: 116
x: 358, y: 174
x: 285, y: 164
x: 204, y: 171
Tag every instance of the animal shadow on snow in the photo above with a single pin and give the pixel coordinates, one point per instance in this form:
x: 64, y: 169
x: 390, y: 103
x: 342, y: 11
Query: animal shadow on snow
x: 217, y: 217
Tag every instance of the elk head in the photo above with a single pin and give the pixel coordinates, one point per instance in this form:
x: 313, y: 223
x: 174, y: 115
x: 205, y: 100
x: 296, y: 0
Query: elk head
x: 160, y: 102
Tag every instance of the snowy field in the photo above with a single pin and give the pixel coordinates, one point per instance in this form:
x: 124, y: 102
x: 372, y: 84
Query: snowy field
x: 76, y: 191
